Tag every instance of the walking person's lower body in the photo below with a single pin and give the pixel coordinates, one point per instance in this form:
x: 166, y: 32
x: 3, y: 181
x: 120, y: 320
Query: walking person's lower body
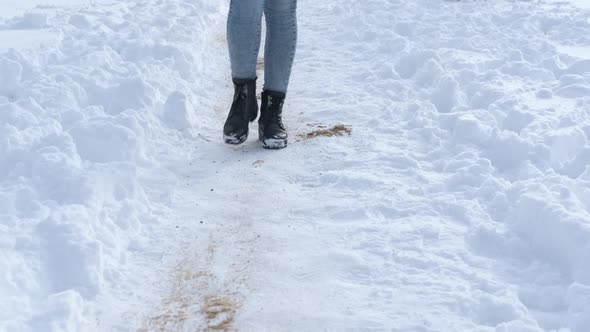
x: 244, y: 29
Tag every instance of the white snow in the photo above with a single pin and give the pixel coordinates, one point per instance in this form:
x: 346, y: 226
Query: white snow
x: 460, y: 201
x: 581, y: 3
x: 12, y: 8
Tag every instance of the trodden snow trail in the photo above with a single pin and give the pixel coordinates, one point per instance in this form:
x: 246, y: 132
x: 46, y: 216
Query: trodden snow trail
x: 229, y: 212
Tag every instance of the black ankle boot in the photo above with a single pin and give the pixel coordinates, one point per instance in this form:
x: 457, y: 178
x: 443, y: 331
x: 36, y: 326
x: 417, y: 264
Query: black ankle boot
x: 271, y: 130
x: 244, y: 109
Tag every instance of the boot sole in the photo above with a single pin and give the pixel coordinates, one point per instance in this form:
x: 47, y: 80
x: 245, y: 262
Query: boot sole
x: 233, y: 140
x: 274, y: 144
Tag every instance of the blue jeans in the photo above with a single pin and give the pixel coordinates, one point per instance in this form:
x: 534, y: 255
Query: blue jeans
x: 244, y: 28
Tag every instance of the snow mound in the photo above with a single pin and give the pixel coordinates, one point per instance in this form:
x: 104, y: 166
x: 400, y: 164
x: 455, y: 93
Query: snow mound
x: 79, y: 125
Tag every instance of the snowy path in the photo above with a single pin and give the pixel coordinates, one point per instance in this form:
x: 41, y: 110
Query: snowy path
x: 460, y: 202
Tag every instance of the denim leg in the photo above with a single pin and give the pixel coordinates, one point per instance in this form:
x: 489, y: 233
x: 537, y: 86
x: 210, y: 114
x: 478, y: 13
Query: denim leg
x: 281, y: 42
x: 243, y: 36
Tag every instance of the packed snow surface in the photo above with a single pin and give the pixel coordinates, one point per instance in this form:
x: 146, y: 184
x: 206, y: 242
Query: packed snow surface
x: 437, y: 176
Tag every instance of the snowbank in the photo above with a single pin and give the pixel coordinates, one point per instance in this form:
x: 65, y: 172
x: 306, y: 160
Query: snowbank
x: 80, y: 121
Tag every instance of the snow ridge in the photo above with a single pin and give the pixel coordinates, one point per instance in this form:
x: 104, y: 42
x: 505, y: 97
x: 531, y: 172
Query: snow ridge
x: 82, y: 122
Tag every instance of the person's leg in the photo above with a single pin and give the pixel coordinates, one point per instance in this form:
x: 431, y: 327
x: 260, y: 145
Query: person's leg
x: 281, y: 41
x: 243, y: 36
